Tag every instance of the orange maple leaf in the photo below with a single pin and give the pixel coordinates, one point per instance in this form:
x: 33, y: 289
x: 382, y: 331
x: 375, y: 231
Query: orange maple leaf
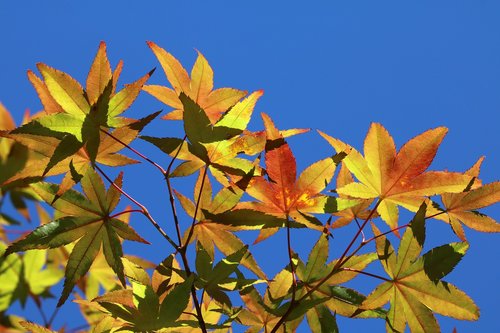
x: 396, y: 178
x: 282, y: 194
x: 462, y: 207
x: 198, y: 87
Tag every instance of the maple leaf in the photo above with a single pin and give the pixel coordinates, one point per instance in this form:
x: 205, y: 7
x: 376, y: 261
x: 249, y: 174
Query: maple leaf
x: 415, y: 289
x: 282, y: 194
x: 13, y: 157
x: 462, y: 207
x: 44, y: 147
x: 140, y: 308
x: 198, y: 87
x: 359, y: 211
x: 396, y: 177
x: 85, y: 219
x: 210, y: 233
x: 216, y: 145
x: 339, y: 300
x: 76, y: 116
x: 259, y: 312
x: 10, y: 278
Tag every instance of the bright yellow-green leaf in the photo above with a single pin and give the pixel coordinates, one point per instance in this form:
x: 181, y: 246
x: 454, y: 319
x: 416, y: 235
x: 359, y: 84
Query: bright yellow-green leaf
x: 415, y: 289
x: 65, y: 90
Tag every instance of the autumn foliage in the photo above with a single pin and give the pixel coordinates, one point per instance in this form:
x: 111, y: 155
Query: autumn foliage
x: 244, y: 180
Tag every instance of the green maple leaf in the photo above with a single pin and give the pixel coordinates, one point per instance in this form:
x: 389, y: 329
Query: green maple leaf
x: 340, y: 300
x: 76, y: 115
x: 44, y: 147
x: 141, y: 308
x: 415, y: 289
x: 85, y: 219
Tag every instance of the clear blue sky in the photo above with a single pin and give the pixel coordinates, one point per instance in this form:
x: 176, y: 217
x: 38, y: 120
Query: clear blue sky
x: 329, y: 65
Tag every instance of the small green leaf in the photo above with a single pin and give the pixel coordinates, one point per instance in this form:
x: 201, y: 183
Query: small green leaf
x: 175, y: 302
x: 321, y: 319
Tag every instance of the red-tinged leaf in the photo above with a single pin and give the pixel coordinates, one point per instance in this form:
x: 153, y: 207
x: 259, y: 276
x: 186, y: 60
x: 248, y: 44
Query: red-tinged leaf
x: 280, y: 162
x: 99, y: 75
x: 416, y: 155
x: 65, y: 90
x: 396, y: 179
x: 220, y: 100
x: 481, y: 197
x: 282, y: 194
x: 462, y: 207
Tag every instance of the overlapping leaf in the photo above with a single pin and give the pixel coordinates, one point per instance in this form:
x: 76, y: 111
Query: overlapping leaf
x: 13, y: 158
x: 259, y: 312
x: 216, y: 145
x: 85, y: 219
x: 198, y: 87
x: 209, y: 232
x: 462, y: 207
x: 76, y: 165
x: 340, y: 300
x: 217, y: 279
x: 282, y: 194
x: 357, y: 212
x: 415, y: 289
x: 76, y: 116
x: 396, y: 177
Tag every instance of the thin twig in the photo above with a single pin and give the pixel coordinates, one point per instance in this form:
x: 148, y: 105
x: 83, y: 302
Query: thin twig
x: 159, y: 167
x: 294, y: 277
x: 126, y: 212
x: 44, y: 317
x: 359, y: 227
x: 182, y: 248
x: 334, y: 270
x: 144, y: 210
x: 198, y: 200
x: 170, y: 192
x: 365, y: 273
x: 53, y: 316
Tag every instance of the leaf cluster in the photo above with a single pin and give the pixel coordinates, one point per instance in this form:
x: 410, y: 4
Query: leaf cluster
x: 244, y: 180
